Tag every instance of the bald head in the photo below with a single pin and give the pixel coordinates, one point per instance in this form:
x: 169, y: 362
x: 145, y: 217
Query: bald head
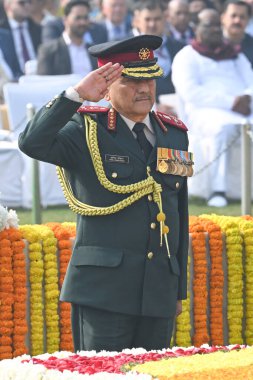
x: 208, y: 28
x: 178, y: 14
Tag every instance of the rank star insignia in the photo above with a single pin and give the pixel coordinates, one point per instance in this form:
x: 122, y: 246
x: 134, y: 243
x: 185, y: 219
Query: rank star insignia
x: 144, y: 54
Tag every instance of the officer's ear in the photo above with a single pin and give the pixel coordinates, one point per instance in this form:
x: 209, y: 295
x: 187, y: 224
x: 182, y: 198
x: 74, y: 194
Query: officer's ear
x: 107, y: 96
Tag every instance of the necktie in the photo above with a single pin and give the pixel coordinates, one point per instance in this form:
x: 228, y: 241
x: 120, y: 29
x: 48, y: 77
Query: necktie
x: 23, y: 45
x: 117, y: 34
x: 145, y: 145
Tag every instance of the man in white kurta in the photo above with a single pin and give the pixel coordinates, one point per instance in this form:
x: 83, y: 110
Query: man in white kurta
x: 215, y: 85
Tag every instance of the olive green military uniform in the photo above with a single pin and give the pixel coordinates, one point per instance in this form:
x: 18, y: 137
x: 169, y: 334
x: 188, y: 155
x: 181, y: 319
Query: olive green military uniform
x: 117, y: 262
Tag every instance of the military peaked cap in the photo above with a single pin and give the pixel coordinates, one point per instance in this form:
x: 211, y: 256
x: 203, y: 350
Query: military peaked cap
x: 136, y: 54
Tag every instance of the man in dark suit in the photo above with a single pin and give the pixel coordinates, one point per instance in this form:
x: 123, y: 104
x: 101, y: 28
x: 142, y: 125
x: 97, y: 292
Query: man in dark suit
x: 23, y: 36
x: 116, y: 19
x: 119, y: 171
x: 53, y: 29
x: 235, y: 17
x: 149, y: 18
x: 68, y: 54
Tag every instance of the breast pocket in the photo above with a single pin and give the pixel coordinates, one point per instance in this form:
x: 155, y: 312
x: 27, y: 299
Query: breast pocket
x: 118, y: 171
x: 173, y: 182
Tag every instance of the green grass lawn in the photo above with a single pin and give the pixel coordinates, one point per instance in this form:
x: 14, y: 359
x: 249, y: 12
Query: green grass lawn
x: 197, y: 206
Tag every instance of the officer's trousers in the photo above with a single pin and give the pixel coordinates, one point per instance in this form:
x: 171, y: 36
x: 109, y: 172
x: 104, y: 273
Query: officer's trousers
x: 95, y: 329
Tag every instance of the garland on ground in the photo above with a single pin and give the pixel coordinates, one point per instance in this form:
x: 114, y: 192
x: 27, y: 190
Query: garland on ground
x: 215, y: 362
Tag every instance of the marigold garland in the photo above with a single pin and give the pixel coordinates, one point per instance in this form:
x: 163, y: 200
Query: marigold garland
x: 246, y: 227
x: 216, y: 280
x: 234, y: 254
x: 200, y: 291
x: 183, y: 321
x: 20, y: 294
x: 6, y: 296
x: 51, y: 289
x: 36, y: 272
x: 64, y: 232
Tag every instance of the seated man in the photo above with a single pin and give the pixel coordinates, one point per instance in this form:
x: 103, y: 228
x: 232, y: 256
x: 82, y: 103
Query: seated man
x: 68, y: 54
x: 215, y: 83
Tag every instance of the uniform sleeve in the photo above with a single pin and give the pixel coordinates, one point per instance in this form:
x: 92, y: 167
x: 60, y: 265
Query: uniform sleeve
x: 54, y: 135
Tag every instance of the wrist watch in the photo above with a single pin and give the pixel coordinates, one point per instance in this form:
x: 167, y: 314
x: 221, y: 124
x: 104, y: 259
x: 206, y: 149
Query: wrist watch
x: 72, y: 94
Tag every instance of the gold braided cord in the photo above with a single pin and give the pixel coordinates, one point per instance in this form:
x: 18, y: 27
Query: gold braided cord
x: 141, y: 74
x: 88, y: 210
x: 142, y: 68
x: 139, y: 189
x: 92, y: 142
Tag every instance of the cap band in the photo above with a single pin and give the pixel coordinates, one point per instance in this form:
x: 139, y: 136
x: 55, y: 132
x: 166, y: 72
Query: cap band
x: 143, y: 54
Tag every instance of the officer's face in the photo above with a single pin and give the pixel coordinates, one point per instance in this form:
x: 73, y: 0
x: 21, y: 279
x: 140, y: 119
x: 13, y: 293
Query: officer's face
x: 132, y: 98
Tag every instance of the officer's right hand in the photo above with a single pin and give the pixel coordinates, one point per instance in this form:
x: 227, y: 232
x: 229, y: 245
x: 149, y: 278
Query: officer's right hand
x: 93, y: 86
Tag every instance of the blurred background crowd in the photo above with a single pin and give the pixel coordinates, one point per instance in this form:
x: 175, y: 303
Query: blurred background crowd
x: 206, y: 56
x: 51, y: 37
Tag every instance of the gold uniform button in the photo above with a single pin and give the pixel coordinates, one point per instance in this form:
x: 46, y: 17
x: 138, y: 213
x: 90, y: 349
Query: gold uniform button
x: 148, y: 169
x: 114, y: 175
x: 177, y: 185
x: 153, y: 226
x: 150, y: 255
x: 150, y: 198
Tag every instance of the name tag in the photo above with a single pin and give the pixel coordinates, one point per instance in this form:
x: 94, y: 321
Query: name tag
x: 116, y: 158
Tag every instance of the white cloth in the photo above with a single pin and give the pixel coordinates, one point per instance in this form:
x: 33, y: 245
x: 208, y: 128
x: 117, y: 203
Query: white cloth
x: 11, y: 168
x: 207, y: 89
x: 16, y: 36
x: 79, y: 57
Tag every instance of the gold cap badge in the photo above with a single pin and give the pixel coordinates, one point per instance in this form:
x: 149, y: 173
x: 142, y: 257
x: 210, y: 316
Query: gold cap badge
x: 144, y: 54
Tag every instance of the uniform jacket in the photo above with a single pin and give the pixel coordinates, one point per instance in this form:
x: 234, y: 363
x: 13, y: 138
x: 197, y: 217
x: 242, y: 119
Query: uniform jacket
x: 54, y: 58
x: 9, y: 53
x: 110, y: 268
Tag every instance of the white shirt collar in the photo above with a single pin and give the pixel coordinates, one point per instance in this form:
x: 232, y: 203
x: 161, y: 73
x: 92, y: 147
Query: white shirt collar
x: 131, y: 123
x: 14, y: 24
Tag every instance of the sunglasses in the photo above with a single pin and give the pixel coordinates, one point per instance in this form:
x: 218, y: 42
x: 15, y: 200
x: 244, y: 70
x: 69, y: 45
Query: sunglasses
x: 24, y: 2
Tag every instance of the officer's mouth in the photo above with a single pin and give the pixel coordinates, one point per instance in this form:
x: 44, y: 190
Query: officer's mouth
x: 143, y: 99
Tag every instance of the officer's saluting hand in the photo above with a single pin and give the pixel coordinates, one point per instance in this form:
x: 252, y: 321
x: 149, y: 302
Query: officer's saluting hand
x: 94, y: 86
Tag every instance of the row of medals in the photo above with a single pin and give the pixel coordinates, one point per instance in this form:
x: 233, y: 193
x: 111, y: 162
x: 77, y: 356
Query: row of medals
x: 175, y: 167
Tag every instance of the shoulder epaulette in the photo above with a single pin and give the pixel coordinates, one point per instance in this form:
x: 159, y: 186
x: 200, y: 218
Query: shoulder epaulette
x: 171, y: 119
x: 92, y: 109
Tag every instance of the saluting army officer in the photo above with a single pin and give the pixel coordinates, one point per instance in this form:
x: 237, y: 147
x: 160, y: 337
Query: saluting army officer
x: 124, y: 172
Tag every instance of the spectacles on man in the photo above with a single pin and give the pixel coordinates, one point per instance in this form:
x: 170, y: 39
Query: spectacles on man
x: 23, y: 2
